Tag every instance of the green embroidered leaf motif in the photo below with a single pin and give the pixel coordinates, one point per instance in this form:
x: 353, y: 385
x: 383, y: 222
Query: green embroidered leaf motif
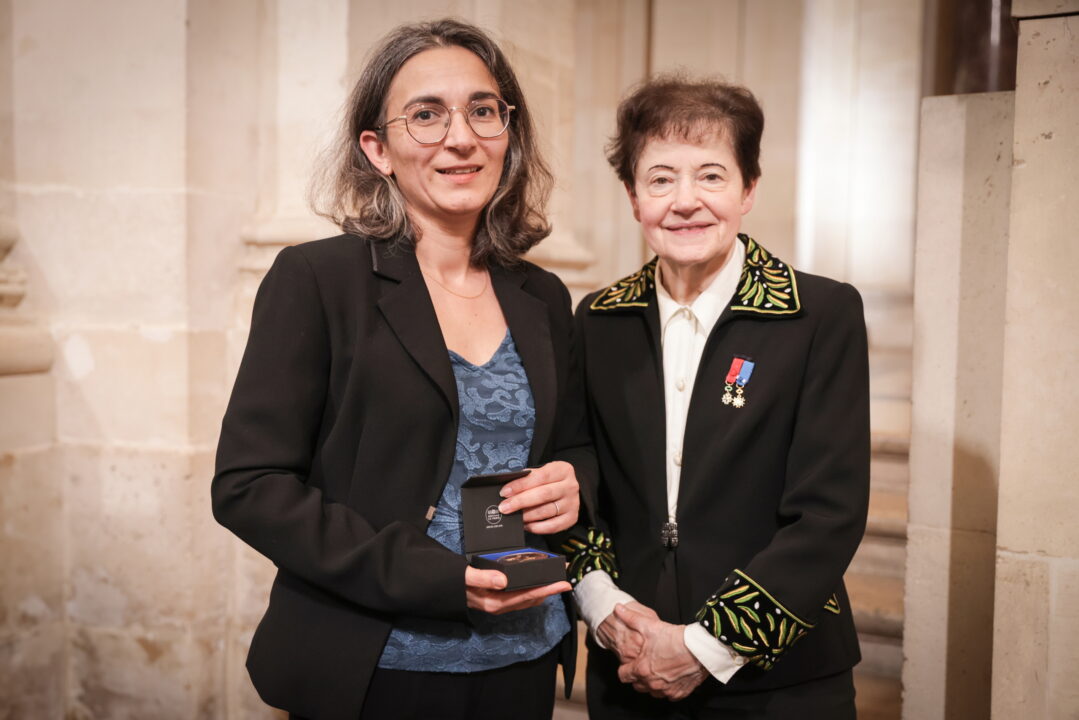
x: 763, y: 637
x: 745, y: 628
x: 732, y: 617
x: 766, y: 284
x: 776, y: 301
x: 716, y: 622
x: 749, y: 611
x: 743, y: 648
x: 782, y: 630
x: 731, y: 593
x: 771, y: 622
x: 747, y: 598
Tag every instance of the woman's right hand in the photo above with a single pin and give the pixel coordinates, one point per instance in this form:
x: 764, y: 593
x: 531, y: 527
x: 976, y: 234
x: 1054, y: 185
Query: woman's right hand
x: 483, y: 589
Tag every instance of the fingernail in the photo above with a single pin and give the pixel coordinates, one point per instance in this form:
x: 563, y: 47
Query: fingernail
x: 503, y: 508
x: 506, y: 491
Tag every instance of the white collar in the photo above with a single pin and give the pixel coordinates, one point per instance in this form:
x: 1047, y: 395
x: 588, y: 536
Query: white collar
x: 709, y: 305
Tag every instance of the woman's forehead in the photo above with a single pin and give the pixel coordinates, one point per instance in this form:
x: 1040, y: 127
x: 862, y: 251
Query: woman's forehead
x: 447, y: 74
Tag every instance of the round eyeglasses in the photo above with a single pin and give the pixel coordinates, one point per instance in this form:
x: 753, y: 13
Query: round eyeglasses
x: 429, y: 123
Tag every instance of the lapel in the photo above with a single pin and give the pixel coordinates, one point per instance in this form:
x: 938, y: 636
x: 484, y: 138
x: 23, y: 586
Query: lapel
x: 642, y: 358
x: 407, y: 307
x: 528, y: 321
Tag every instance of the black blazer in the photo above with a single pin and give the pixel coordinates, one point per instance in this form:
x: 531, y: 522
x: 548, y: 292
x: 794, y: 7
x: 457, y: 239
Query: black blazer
x: 777, y: 489
x: 339, y: 437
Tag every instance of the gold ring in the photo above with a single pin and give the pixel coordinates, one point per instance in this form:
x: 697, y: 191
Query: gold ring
x: 557, y: 512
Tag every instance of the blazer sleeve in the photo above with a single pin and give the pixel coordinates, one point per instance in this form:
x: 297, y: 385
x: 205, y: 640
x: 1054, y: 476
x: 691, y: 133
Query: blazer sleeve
x: 268, y: 442
x: 765, y: 607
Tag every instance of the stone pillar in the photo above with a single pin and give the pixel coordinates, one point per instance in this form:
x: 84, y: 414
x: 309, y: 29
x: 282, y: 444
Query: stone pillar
x: 963, y: 201
x: 31, y: 508
x: 860, y: 89
x: 1036, y: 622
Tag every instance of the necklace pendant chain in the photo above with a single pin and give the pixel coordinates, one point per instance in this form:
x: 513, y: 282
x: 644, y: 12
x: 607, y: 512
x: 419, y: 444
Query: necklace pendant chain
x: 486, y: 281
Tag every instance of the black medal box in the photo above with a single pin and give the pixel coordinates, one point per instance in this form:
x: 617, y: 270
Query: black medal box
x: 494, y: 541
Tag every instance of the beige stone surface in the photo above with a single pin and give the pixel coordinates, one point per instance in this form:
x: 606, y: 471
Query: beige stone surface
x: 123, y: 385
x: 209, y: 386
x: 1041, y: 411
x: 31, y: 540
x: 32, y: 672
x: 611, y: 55
x: 27, y: 411
x: 948, y: 610
x: 1035, y: 8
x: 136, y: 674
x: 965, y: 162
x: 771, y: 57
x: 144, y: 549
x: 99, y: 94
x: 1021, y: 637
x: 698, y: 36
x: 24, y: 349
x: 104, y: 256
x: 885, y: 145
x: 1064, y: 640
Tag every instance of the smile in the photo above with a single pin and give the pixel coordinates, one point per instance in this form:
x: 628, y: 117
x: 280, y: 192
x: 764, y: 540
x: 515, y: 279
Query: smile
x: 460, y: 171
x: 688, y: 228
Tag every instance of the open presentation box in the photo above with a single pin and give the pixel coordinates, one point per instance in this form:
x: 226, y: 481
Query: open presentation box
x: 494, y: 541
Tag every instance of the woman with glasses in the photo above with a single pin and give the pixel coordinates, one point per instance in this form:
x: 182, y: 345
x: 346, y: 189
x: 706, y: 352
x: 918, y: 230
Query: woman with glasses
x: 384, y: 367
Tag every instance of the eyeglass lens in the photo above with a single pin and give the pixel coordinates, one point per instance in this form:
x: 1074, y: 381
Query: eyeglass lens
x: 430, y: 122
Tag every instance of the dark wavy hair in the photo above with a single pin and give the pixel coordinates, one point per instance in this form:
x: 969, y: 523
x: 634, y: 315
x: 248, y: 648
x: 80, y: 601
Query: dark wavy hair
x: 675, y: 106
x: 351, y: 192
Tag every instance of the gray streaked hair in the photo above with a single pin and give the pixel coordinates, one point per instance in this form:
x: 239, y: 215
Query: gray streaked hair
x: 349, y: 190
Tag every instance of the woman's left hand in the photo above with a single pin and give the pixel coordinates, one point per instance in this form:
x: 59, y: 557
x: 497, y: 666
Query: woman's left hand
x: 549, y: 497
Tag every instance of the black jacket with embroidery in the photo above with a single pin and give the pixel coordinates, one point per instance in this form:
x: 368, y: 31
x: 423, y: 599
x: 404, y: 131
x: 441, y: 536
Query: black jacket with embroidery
x: 773, y: 494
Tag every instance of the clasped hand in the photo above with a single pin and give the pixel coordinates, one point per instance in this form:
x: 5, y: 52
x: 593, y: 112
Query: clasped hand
x: 653, y: 654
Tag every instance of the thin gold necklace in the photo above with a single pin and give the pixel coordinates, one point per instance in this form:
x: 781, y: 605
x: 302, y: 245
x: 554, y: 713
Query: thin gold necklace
x: 486, y: 279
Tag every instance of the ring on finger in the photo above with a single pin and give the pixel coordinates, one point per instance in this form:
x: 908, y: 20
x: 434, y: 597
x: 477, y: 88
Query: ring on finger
x: 557, y: 512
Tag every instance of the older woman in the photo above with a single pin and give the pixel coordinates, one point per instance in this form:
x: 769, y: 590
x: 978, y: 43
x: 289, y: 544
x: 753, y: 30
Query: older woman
x: 728, y: 397
x: 386, y: 366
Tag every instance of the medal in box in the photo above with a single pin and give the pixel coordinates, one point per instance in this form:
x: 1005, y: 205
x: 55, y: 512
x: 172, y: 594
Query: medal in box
x: 494, y: 541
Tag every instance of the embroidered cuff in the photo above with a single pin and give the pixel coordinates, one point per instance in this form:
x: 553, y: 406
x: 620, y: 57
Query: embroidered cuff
x: 588, y: 554
x: 746, y: 618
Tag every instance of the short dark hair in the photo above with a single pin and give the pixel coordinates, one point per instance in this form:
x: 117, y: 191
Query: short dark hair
x: 352, y: 192
x: 675, y: 106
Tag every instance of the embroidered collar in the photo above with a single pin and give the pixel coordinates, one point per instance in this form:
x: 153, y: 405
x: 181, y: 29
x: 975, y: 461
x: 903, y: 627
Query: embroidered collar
x: 767, y: 286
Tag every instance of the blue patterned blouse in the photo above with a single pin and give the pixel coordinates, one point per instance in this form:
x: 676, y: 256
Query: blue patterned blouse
x: 494, y: 435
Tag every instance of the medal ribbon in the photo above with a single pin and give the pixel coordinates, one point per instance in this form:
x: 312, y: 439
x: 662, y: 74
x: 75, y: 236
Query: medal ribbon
x: 736, y: 368
x: 744, y: 373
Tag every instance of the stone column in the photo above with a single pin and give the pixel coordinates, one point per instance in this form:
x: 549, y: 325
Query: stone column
x: 1036, y: 620
x: 963, y: 200
x: 31, y: 508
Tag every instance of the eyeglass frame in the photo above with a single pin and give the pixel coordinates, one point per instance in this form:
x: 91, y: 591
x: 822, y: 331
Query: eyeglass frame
x: 449, y: 119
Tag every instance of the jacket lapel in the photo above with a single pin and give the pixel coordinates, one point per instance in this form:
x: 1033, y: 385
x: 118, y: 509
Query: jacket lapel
x: 640, y: 355
x: 407, y: 307
x: 530, y: 326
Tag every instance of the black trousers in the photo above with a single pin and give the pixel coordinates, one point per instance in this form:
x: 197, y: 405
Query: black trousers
x: 522, y: 691
x: 826, y: 698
